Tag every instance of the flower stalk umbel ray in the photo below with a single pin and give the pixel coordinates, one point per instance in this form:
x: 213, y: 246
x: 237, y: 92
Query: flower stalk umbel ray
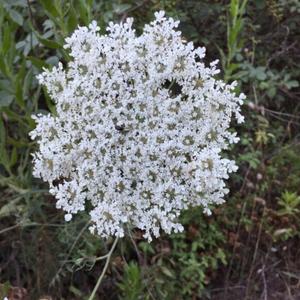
x: 107, y: 256
x: 140, y: 128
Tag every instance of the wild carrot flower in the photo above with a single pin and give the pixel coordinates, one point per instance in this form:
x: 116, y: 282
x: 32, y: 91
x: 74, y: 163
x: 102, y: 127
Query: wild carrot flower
x: 139, y: 128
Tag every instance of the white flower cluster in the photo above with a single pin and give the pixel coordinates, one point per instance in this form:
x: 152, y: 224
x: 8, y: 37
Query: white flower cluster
x: 139, y: 129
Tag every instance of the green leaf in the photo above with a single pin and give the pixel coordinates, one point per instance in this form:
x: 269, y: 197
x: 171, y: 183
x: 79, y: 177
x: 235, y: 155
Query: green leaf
x: 2, y: 134
x: 6, y: 86
x: 259, y: 73
x: 52, y: 61
x: 5, y: 99
x: 3, y: 65
x: 6, y: 43
x: 20, y: 3
x: 89, y: 3
x: 13, y: 157
x: 122, y: 8
x: 83, y: 10
x: 26, y: 83
x: 16, y: 17
x: 232, y: 67
x: 75, y: 291
x: 10, y: 208
x: 49, y: 44
x: 271, y: 92
x: 234, y: 7
x: 19, y: 85
x: 40, y: 64
x: 17, y: 143
x: 50, y: 8
x: 3, y: 153
x: 167, y: 272
x: 49, y: 102
x: 291, y: 84
x: 72, y: 19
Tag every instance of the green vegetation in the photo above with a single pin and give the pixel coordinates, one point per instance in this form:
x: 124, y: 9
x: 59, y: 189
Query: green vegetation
x: 248, y: 248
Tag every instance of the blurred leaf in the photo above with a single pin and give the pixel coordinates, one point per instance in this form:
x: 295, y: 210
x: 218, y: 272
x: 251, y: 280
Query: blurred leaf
x: 10, y: 208
x: 13, y: 157
x: 3, y: 153
x: 6, y: 86
x: 259, y: 73
x: 50, y: 8
x: 83, y: 7
x: 72, y: 19
x: 167, y: 272
x: 6, y: 43
x: 3, y: 65
x: 292, y: 84
x: 5, y: 99
x: 76, y: 291
x: 49, y: 43
x: 39, y: 63
x: 122, y: 8
x: 19, y: 85
x: 26, y: 83
x: 16, y: 17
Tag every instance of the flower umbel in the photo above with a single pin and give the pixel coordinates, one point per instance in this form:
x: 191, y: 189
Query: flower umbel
x: 139, y: 129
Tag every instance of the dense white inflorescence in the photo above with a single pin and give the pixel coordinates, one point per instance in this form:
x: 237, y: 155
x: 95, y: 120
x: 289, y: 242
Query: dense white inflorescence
x: 139, y: 129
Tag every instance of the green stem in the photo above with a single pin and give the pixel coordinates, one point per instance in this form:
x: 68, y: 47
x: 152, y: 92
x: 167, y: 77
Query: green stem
x: 93, y: 294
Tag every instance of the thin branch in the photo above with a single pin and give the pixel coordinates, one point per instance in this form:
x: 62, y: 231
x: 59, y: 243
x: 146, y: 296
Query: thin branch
x: 93, y: 294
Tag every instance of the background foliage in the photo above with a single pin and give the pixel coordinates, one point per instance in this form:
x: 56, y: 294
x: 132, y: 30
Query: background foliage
x: 248, y: 248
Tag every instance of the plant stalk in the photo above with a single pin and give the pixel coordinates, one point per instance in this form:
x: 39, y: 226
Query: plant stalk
x: 93, y: 294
